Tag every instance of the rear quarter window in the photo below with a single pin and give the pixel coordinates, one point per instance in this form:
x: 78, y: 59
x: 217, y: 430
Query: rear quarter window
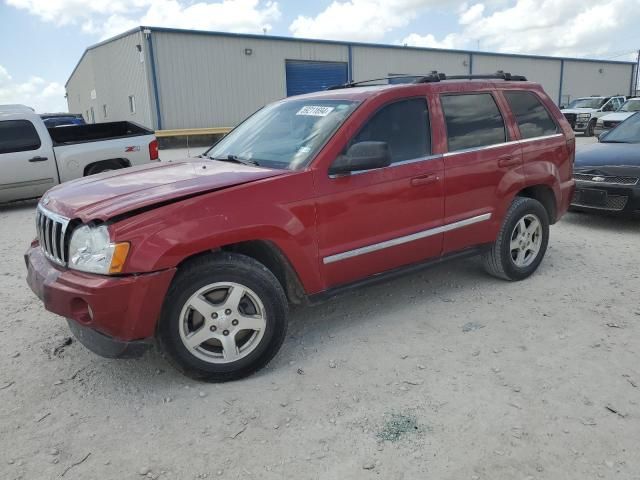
x: 472, y: 120
x: 532, y: 118
x: 18, y: 136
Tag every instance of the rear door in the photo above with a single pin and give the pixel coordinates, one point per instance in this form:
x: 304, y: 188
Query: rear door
x: 483, y: 167
x: 27, y: 166
x: 376, y: 220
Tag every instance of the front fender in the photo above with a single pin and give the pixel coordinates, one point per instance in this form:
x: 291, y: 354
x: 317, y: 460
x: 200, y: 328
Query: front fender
x: 165, y: 237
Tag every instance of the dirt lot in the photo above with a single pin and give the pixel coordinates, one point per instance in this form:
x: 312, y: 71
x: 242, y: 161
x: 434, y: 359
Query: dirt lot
x: 446, y: 374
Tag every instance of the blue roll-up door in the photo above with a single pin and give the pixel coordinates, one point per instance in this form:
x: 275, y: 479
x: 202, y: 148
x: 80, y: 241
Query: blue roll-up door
x: 306, y: 76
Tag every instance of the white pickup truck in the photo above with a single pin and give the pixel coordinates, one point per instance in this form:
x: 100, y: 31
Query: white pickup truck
x: 33, y: 158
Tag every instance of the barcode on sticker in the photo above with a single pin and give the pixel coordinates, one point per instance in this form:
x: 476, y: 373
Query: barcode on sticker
x: 315, y: 111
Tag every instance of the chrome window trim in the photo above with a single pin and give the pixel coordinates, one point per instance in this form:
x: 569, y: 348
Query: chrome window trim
x: 396, y: 164
x: 405, y: 239
x: 497, y: 145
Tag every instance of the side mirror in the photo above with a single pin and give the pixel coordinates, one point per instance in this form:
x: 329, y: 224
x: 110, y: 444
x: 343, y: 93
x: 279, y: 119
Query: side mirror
x: 362, y: 156
x: 562, y: 107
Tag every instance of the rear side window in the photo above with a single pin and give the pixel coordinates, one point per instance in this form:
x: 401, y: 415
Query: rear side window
x: 18, y: 136
x: 404, y: 125
x: 473, y: 120
x: 532, y: 118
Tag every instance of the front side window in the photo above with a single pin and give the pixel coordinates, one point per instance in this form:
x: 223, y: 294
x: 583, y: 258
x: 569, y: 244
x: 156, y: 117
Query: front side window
x: 473, y: 120
x: 404, y: 126
x: 285, y: 135
x: 532, y: 118
x: 18, y: 136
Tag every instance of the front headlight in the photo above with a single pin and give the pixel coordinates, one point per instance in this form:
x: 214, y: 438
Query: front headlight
x: 584, y: 116
x: 91, y: 250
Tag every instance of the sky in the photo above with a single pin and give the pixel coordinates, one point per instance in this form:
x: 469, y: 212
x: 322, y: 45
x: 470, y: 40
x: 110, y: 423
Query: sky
x: 42, y: 40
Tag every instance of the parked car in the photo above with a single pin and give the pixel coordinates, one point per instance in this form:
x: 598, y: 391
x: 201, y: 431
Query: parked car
x: 309, y: 197
x: 61, y: 119
x: 612, y: 120
x: 607, y: 173
x: 34, y: 158
x: 583, y: 113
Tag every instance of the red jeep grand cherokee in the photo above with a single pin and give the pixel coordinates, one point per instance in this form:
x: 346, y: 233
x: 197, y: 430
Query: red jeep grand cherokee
x: 308, y: 197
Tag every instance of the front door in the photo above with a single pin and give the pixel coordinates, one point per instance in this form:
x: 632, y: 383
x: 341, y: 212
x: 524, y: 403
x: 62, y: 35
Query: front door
x: 376, y: 220
x: 27, y: 166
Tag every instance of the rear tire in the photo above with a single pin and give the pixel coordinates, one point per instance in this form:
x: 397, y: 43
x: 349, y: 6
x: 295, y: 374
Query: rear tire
x: 590, y: 128
x: 521, y: 242
x: 224, y: 318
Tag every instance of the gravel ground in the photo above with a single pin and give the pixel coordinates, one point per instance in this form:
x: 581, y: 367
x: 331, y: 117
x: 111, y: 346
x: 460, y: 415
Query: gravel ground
x: 445, y: 374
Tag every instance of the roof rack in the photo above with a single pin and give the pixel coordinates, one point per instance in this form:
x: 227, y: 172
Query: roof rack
x: 436, y: 76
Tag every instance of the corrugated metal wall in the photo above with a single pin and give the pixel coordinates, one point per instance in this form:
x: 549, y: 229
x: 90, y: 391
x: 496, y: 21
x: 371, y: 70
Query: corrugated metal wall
x: 209, y: 81
x: 593, y: 78
x: 546, y: 72
x: 216, y: 80
x: 373, y: 62
x: 115, y: 72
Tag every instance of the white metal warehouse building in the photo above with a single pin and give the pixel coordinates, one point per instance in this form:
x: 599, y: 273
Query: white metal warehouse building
x: 170, y: 79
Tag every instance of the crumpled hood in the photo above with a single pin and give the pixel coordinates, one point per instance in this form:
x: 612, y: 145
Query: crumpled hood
x: 103, y: 196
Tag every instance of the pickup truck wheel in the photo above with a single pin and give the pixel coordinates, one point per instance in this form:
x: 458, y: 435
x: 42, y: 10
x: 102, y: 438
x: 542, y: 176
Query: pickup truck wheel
x: 590, y: 128
x: 521, y: 243
x: 224, y: 318
x: 103, y: 167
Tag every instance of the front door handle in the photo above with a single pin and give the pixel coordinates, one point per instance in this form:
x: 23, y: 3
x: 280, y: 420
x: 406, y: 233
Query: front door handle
x: 424, y: 180
x: 508, y: 161
x: 38, y: 159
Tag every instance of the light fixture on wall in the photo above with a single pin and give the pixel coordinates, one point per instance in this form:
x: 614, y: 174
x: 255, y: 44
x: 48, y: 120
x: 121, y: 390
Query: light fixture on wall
x: 248, y: 51
x: 465, y: 63
x: 601, y: 70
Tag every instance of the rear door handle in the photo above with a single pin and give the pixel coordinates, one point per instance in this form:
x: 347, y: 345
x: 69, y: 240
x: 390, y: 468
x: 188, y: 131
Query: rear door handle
x: 508, y: 161
x: 38, y: 159
x: 424, y: 180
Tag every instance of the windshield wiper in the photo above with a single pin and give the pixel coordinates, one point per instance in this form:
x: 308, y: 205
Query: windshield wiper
x: 235, y: 159
x: 614, y: 141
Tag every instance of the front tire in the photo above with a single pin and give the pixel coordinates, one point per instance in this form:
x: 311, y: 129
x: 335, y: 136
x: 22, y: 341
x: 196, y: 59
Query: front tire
x: 521, y: 242
x: 591, y: 128
x: 224, y: 318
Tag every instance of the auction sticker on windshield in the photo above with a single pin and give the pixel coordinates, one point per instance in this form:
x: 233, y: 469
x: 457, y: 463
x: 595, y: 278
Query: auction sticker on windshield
x: 315, y: 110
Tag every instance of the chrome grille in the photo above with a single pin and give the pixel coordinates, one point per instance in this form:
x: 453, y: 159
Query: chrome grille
x: 607, y: 179
x: 52, y: 229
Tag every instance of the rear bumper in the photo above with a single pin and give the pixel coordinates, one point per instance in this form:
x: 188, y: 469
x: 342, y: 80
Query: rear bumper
x: 620, y: 200
x: 121, y: 309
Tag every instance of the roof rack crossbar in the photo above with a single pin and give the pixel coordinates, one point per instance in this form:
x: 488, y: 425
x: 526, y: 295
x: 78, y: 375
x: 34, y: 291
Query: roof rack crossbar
x: 436, y: 76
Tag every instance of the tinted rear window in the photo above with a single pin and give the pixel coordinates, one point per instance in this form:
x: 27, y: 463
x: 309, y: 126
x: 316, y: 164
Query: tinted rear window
x: 473, y: 120
x: 18, y: 136
x: 533, y: 119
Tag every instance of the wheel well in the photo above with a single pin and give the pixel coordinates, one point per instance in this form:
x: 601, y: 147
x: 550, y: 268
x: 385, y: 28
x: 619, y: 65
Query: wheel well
x: 268, y: 254
x: 545, y: 196
x: 119, y: 162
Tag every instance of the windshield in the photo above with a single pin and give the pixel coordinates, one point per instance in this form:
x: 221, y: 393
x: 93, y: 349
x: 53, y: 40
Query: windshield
x: 627, y: 132
x: 630, y: 106
x: 283, y: 135
x: 587, y: 103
